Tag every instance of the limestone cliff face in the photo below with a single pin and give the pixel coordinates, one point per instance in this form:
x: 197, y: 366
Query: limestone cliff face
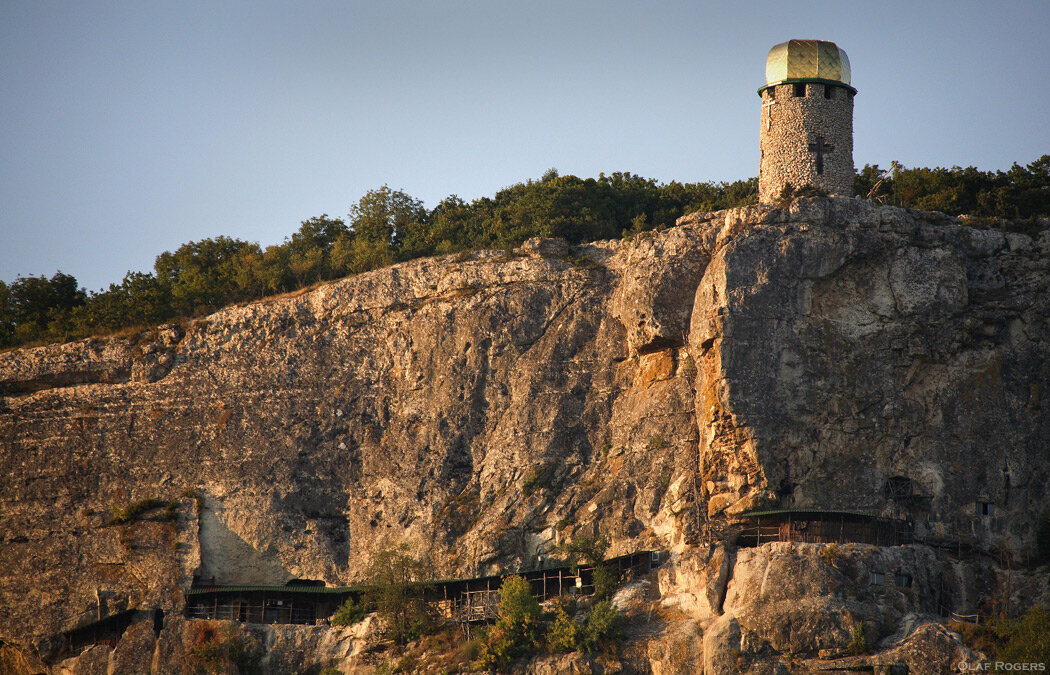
x: 483, y: 407
x: 869, y: 359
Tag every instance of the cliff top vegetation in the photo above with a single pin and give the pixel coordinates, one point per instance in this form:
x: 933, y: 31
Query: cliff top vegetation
x: 387, y: 226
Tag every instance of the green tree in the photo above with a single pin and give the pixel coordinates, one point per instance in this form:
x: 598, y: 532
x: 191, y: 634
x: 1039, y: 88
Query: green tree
x: 586, y: 550
x: 32, y: 299
x: 1021, y: 192
x: 320, y: 232
x: 396, y: 590
x: 308, y: 266
x: 601, y: 630
x: 518, y: 630
x: 362, y: 255
x: 204, y: 275
x: 274, y: 269
x: 310, y: 249
x: 148, y: 302
x: 39, y: 307
x: 385, y: 215
x: 592, y: 551
x: 7, y: 319
x: 139, y: 300
x: 451, y: 226
x: 606, y: 580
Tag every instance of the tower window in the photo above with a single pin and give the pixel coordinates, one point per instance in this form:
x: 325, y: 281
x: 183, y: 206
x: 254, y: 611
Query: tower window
x: 800, y: 89
x: 985, y: 509
x: 829, y: 91
x: 772, y: 91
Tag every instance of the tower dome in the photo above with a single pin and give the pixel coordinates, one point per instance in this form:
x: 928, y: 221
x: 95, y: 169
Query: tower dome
x: 806, y: 137
x: 807, y: 60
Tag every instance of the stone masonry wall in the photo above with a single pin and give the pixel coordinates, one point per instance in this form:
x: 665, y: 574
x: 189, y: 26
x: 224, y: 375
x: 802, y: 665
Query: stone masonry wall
x: 789, y: 125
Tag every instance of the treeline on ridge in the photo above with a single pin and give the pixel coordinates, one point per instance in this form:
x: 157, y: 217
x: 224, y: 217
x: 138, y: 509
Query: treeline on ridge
x: 387, y: 226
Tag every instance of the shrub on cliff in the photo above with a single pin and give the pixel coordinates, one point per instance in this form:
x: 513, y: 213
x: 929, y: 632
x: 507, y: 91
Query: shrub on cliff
x: 396, y: 579
x: 136, y: 510
x: 604, y: 628
x: 565, y: 633
x: 219, y: 647
x: 350, y: 612
x: 518, y: 630
x: 1023, y: 639
x: 600, y: 631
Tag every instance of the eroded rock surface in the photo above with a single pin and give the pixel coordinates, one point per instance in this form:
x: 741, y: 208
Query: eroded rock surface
x: 835, y: 355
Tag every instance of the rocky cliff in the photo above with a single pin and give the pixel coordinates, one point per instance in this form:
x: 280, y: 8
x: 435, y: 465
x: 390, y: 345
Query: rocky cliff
x: 834, y: 355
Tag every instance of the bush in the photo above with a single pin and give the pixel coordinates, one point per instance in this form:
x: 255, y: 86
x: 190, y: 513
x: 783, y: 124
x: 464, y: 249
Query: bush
x: 859, y: 644
x: 349, y: 613
x: 830, y: 554
x: 565, y: 634
x: 534, y: 479
x: 1025, y: 639
x: 218, y: 647
x: 606, y: 581
x: 516, y: 632
x: 135, y: 511
x: 604, y: 628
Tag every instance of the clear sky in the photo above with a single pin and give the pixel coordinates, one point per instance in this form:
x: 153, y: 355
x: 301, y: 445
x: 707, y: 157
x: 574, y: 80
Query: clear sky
x: 130, y: 128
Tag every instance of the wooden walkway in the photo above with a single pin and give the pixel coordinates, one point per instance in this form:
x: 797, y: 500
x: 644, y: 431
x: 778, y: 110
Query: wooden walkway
x: 466, y: 600
x: 815, y: 526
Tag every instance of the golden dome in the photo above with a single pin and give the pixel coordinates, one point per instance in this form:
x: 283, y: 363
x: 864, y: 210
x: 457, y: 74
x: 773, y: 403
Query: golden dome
x: 807, y: 60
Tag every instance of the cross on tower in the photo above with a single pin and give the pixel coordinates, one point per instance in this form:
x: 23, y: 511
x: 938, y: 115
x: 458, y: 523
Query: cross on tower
x: 820, y: 147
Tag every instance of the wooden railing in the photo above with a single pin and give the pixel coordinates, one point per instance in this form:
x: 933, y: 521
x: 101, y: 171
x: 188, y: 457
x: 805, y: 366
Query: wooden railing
x: 465, y: 600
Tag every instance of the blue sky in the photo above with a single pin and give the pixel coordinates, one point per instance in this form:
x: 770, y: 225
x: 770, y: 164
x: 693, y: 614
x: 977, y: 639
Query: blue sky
x: 129, y: 128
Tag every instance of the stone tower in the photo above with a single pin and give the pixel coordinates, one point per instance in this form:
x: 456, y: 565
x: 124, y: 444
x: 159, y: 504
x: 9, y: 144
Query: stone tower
x: 807, y: 120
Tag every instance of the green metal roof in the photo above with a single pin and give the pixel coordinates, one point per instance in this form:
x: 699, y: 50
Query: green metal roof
x: 821, y: 512
x: 320, y: 590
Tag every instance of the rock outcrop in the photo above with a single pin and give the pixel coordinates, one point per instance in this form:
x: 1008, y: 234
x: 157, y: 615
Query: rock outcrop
x: 481, y: 408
